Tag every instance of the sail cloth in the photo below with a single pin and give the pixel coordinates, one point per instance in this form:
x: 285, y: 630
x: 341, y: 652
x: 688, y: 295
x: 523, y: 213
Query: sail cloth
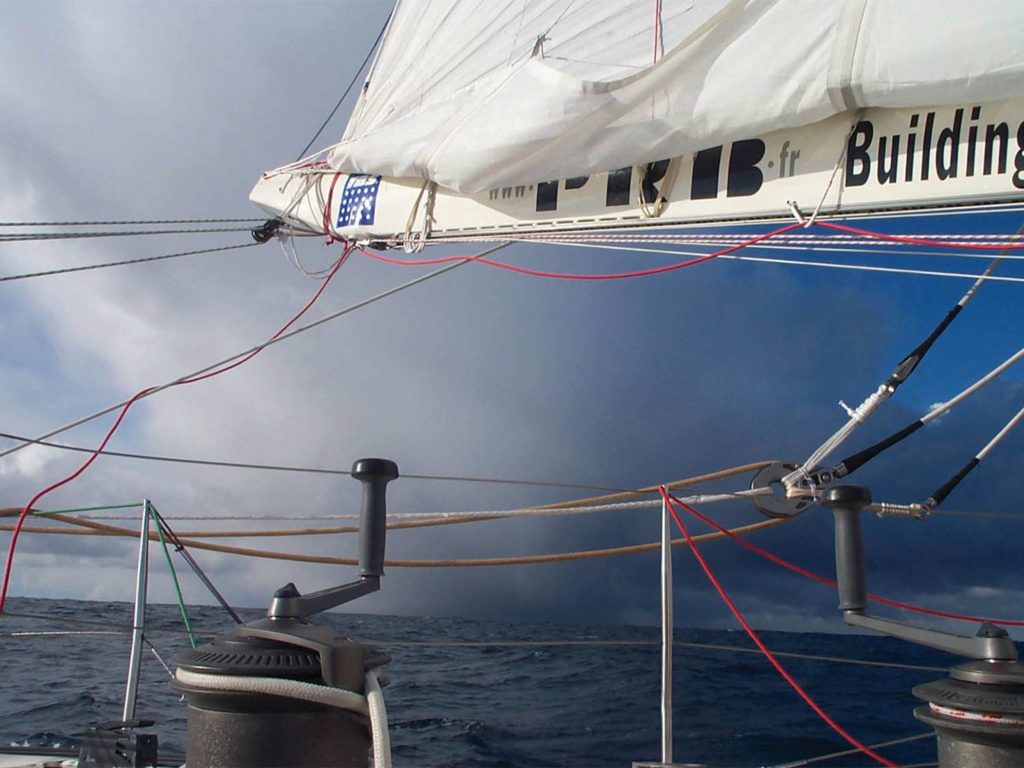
x: 478, y: 94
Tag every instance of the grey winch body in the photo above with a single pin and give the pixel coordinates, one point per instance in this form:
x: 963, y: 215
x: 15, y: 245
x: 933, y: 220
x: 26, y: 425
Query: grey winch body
x: 264, y: 727
x: 977, y: 714
x: 257, y: 730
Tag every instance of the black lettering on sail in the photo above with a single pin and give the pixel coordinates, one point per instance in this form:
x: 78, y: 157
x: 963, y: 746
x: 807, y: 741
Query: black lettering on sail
x: 1018, y: 160
x: 744, y: 178
x: 858, y: 161
x: 947, y: 150
x: 706, y: 164
x: 887, y: 171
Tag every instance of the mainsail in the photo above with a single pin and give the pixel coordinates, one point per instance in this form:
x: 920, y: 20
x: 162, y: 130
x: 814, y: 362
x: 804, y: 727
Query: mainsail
x: 476, y: 96
x: 532, y: 116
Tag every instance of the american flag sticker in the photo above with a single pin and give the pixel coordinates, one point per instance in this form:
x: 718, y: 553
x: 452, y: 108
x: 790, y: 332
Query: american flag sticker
x: 358, y: 201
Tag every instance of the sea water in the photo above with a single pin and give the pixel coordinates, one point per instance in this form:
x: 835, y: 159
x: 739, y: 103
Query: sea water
x: 484, y: 693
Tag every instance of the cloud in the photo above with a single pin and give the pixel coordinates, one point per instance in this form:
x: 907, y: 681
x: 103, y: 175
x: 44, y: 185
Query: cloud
x: 476, y: 373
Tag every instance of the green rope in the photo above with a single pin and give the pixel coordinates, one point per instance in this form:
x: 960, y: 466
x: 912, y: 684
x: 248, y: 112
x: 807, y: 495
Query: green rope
x: 150, y: 509
x: 133, y: 505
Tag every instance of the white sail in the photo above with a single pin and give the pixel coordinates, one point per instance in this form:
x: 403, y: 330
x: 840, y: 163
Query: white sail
x: 476, y: 96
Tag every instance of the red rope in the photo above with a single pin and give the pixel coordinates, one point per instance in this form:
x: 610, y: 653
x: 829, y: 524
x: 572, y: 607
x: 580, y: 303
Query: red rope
x: 572, y: 276
x: 825, y: 580
x: 124, y: 411
x: 757, y: 640
x: 657, y: 29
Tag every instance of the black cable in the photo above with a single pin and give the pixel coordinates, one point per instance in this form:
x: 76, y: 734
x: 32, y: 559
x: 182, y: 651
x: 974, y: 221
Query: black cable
x: 946, y: 488
x: 143, y: 260
x: 29, y: 236
x: 131, y: 222
x: 909, y: 363
x: 855, y: 461
x: 351, y: 84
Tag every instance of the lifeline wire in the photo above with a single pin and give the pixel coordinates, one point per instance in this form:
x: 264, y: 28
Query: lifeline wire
x: 719, y: 647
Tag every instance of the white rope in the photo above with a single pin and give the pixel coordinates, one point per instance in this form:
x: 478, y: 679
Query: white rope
x: 304, y: 164
x: 857, y: 417
x: 378, y: 721
x: 276, y: 686
x: 414, y: 242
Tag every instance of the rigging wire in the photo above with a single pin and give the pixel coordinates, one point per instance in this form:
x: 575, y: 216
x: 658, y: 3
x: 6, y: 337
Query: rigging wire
x: 348, y: 88
x: 760, y: 643
x: 66, y: 270
x: 124, y: 223
x: 939, y: 495
x: 32, y: 236
x: 179, y: 547
x: 903, y: 371
x: 252, y: 350
x: 857, y: 460
x: 306, y: 470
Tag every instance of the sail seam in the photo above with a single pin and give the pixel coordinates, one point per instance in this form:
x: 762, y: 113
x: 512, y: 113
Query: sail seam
x: 840, y: 75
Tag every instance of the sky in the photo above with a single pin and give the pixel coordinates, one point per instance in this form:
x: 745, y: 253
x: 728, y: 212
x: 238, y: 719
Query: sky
x: 130, y: 110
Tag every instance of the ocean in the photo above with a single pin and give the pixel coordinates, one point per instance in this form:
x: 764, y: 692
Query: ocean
x: 518, y: 695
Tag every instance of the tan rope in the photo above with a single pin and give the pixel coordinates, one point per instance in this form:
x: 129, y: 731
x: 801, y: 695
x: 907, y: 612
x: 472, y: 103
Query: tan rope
x: 102, y: 529
x: 111, y: 530
x: 422, y: 523
x: 273, y: 532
